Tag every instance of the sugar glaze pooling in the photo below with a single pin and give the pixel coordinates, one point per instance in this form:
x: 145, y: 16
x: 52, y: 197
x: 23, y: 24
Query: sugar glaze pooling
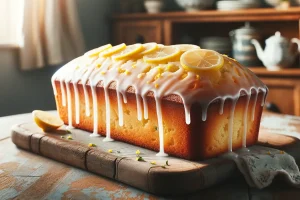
x: 228, y: 84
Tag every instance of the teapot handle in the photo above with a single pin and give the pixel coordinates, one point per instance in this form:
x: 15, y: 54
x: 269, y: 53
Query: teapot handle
x: 296, y: 41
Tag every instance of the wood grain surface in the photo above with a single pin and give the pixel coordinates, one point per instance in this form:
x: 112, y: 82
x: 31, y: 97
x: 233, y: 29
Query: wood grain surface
x: 121, y: 163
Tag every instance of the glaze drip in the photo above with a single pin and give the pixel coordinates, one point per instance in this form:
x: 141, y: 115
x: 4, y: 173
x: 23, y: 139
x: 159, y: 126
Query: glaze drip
x: 230, y: 125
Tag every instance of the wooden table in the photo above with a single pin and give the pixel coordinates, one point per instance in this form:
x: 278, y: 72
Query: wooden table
x: 24, y: 175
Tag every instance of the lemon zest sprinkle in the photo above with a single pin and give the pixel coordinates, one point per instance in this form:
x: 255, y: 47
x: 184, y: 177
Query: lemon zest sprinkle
x: 153, y: 163
x: 127, y: 72
x: 281, y: 152
x: 91, y: 145
x: 137, y: 152
x: 140, y: 75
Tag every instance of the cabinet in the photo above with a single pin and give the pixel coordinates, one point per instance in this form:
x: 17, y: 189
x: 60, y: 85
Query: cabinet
x: 284, y: 88
x: 143, y: 31
x: 170, y: 27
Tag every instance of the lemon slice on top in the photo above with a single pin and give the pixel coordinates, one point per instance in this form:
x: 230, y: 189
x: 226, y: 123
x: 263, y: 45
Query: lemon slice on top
x: 149, y: 48
x: 186, y: 47
x: 113, y: 50
x: 201, y: 60
x: 46, y: 121
x: 95, y: 52
x: 162, y: 55
x: 129, y: 52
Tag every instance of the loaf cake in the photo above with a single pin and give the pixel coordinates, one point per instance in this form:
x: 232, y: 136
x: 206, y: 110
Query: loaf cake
x: 179, y: 100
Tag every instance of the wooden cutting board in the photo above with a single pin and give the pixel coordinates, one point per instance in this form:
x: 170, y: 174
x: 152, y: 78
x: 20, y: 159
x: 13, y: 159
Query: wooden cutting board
x: 179, y: 177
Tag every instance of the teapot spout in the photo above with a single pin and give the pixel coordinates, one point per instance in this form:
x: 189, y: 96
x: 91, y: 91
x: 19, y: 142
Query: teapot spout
x: 259, y: 50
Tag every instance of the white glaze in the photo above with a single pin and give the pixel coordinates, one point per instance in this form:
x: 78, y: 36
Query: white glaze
x: 230, y: 125
x: 105, y: 71
x: 70, y: 123
x: 245, y: 121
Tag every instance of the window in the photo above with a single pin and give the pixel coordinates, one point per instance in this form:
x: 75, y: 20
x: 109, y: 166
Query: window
x: 11, y: 12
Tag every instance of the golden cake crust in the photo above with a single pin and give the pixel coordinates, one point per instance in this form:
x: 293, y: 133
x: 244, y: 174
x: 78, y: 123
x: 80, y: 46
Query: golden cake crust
x: 198, y: 140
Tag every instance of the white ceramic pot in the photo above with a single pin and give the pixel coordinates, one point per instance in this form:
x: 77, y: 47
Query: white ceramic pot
x: 195, y: 5
x: 274, y: 3
x: 295, y: 2
x: 153, y: 6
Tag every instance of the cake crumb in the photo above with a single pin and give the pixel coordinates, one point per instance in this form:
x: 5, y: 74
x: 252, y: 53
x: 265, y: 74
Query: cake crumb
x: 110, y: 151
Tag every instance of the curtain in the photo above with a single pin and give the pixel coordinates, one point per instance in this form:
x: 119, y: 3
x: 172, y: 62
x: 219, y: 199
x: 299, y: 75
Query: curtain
x: 51, y: 33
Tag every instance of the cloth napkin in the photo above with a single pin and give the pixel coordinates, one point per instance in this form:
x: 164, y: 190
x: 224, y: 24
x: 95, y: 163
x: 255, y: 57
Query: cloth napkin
x: 260, y: 165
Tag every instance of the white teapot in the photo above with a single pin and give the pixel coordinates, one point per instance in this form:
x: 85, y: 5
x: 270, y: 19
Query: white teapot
x: 278, y: 52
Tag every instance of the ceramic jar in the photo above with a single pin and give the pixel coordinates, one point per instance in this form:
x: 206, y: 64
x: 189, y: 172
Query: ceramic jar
x: 153, y: 6
x: 243, y: 49
x: 195, y: 5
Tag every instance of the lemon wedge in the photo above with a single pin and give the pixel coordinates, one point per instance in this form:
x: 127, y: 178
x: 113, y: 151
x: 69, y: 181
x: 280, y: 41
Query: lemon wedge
x: 46, y: 121
x: 95, y: 52
x: 162, y: 55
x: 113, y: 50
x: 186, y: 47
x: 201, y: 60
x: 128, y: 52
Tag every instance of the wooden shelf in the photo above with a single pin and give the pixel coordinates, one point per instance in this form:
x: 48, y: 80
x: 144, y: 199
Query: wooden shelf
x: 258, y: 14
x: 262, y: 71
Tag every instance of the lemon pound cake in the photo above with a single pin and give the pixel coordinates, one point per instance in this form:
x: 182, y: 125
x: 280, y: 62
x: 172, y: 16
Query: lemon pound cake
x: 179, y: 100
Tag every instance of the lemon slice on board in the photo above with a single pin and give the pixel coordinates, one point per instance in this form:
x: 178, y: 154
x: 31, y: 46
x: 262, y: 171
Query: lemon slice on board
x: 113, y: 50
x: 186, y: 47
x: 201, y: 60
x: 95, y: 52
x: 162, y: 55
x: 46, y: 121
x: 128, y: 52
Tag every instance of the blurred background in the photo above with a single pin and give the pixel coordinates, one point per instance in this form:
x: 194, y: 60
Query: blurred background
x: 39, y: 36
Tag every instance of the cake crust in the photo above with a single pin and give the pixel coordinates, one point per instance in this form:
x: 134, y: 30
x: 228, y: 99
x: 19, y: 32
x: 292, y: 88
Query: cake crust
x: 196, y: 141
